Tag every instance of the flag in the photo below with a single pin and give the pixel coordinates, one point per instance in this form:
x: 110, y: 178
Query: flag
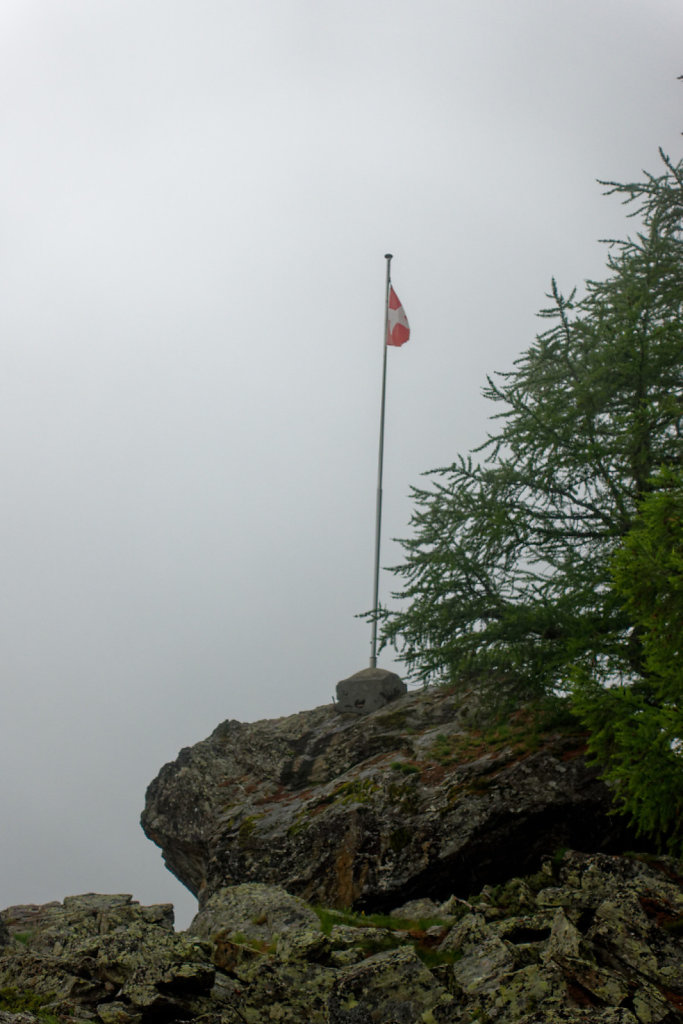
x: 398, y: 328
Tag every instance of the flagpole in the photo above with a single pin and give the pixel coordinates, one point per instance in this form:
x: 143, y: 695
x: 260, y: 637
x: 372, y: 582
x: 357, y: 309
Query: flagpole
x: 380, y: 461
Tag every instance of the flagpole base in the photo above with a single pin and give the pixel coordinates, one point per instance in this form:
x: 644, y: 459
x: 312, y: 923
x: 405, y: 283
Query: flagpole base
x: 368, y: 690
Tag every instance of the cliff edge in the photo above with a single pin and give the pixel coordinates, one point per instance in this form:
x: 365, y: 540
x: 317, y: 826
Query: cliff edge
x: 420, y: 799
x: 295, y: 832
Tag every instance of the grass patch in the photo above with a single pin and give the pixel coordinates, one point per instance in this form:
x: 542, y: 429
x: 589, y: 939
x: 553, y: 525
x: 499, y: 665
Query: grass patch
x: 437, y: 958
x: 404, y: 768
x: 247, y: 826
x: 328, y: 918
x: 392, y: 933
x: 14, y: 1000
x: 404, y: 796
x: 356, y: 791
x: 258, y: 945
x: 522, y: 732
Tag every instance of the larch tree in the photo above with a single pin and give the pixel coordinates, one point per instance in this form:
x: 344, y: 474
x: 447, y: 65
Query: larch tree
x: 508, y: 582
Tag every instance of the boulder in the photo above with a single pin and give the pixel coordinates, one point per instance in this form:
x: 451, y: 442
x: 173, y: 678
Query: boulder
x: 261, y: 913
x: 420, y: 798
x: 390, y: 986
x: 368, y: 690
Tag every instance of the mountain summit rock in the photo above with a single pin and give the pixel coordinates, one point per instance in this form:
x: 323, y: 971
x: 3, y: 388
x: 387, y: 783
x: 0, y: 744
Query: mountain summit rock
x: 422, y: 808
x: 418, y: 799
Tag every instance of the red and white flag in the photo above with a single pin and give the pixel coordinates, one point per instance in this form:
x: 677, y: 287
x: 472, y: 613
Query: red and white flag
x: 398, y: 328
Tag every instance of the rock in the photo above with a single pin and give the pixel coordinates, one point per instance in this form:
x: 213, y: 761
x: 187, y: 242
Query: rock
x: 419, y: 910
x: 480, y: 969
x: 391, y: 986
x: 96, y: 951
x: 592, y: 938
x: 262, y: 913
x: 18, y: 1018
x: 607, y: 1015
x: 368, y: 691
x: 469, y: 934
x: 116, y: 1013
x: 304, y: 945
x: 410, y: 801
x: 419, y: 807
x: 349, y: 945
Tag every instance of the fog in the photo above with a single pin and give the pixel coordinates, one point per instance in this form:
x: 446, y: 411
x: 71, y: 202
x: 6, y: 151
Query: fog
x: 196, y: 200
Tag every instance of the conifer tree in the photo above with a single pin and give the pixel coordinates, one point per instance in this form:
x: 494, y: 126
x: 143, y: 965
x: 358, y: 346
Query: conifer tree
x: 636, y: 731
x: 507, y: 581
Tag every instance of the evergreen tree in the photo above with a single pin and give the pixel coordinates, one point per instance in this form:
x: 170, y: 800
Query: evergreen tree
x: 636, y: 732
x: 507, y: 578
x: 648, y: 575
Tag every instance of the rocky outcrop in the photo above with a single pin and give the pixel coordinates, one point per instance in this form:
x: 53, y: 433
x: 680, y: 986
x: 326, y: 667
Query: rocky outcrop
x: 103, y: 958
x: 418, y: 799
x: 589, y: 938
x: 295, y: 832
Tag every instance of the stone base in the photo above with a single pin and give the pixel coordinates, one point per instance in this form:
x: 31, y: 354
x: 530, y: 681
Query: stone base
x: 369, y: 690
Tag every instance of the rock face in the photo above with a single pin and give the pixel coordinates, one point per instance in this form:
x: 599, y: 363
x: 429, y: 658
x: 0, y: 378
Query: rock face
x: 590, y: 938
x: 417, y: 799
x: 409, y: 809
x: 106, y: 955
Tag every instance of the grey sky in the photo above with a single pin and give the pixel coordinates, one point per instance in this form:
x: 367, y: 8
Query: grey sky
x: 195, y: 201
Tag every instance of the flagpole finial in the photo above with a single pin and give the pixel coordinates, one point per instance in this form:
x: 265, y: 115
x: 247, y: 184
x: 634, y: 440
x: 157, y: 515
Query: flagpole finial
x: 388, y: 256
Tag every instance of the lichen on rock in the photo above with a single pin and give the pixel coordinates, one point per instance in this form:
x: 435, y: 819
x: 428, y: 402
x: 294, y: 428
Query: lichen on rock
x: 406, y: 868
x: 422, y: 798
x: 591, y: 937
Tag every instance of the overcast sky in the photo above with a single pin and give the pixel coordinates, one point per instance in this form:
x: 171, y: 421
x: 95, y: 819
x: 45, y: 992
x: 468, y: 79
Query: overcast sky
x: 195, y: 202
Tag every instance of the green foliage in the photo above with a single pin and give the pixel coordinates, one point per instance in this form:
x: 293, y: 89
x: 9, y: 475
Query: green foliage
x: 389, y: 933
x: 355, y: 791
x: 248, y: 826
x: 506, y: 583
x: 637, y: 731
x: 405, y: 796
x: 550, y: 560
x: 14, y: 1000
x: 648, y: 575
x: 637, y: 739
x: 404, y: 767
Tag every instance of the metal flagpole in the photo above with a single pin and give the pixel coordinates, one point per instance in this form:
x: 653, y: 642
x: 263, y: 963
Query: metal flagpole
x: 378, y: 520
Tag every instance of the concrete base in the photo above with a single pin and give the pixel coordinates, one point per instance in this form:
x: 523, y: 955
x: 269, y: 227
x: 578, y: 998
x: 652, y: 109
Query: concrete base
x: 369, y: 690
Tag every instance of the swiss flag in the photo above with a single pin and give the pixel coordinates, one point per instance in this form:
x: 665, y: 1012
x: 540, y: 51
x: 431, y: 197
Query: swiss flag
x: 398, y: 328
